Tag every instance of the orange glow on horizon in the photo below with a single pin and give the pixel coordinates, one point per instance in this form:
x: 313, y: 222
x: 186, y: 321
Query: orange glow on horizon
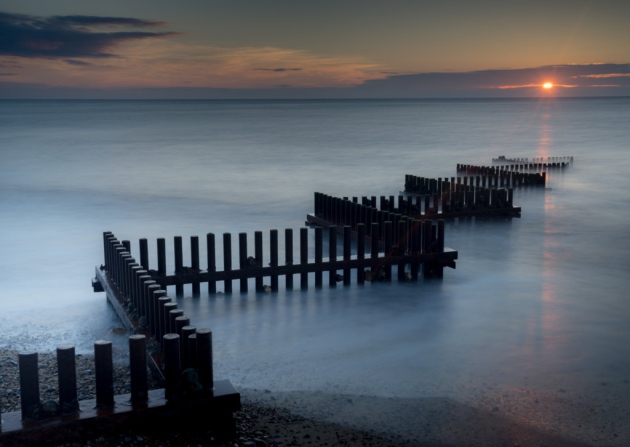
x: 547, y: 85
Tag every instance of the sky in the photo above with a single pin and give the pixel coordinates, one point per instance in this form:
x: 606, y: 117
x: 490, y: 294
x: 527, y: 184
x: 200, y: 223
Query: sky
x: 250, y: 49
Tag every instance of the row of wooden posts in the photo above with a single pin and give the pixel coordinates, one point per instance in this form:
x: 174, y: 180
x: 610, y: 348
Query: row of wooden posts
x: 462, y: 199
x: 180, y: 352
x: 498, y: 177
x: 546, y: 160
x: 402, y: 242
x: 424, y: 185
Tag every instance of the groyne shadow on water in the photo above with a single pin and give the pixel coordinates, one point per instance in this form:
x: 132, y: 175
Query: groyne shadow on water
x: 426, y: 421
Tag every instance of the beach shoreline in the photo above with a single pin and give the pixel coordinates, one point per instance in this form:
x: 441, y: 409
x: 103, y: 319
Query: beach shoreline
x: 299, y: 418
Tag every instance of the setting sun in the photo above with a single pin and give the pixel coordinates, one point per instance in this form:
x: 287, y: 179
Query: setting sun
x: 547, y: 85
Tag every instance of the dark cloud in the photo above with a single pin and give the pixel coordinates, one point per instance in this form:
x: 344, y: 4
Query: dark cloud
x: 278, y: 70
x: 8, y: 74
x: 77, y: 63
x: 68, y: 36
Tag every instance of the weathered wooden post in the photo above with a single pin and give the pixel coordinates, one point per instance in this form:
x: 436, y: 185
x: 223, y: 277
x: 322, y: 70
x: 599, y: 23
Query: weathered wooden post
x: 204, y: 358
x: 166, y: 316
x: 67, y: 376
x: 187, y: 355
x: 288, y: 250
x: 192, y: 350
x: 161, y: 253
x: 402, y: 247
x: 227, y: 260
x: 138, y: 370
x: 360, y: 252
x: 388, y: 248
x: 158, y: 295
x: 304, y: 257
x: 29, y: 385
x: 194, y: 263
x: 107, y: 236
x: 172, y: 364
x: 212, y: 262
x: 179, y: 263
x: 151, y: 302
x: 273, y: 261
x: 181, y: 322
x: 332, y: 255
x: 258, y: 253
x: 374, y: 240
x: 160, y: 329
x: 319, y: 255
x: 347, y: 249
x: 172, y: 316
x: 104, y: 374
x: 242, y: 258
x: 144, y: 253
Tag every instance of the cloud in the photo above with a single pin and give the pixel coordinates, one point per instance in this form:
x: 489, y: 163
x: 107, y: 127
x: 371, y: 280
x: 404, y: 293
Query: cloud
x: 29, y: 36
x: 277, y: 70
x: 78, y: 63
x: 519, y: 82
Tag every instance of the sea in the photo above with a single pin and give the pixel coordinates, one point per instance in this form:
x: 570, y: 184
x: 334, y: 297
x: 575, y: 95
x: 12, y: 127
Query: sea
x: 532, y: 328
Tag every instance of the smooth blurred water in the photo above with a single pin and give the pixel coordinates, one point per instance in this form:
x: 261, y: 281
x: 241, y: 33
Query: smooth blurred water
x: 539, y: 303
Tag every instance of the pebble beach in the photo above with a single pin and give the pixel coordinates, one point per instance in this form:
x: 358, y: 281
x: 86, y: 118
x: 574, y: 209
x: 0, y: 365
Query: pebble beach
x: 256, y: 425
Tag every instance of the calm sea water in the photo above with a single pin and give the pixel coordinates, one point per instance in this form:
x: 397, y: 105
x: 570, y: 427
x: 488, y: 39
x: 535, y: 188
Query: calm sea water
x: 537, y: 309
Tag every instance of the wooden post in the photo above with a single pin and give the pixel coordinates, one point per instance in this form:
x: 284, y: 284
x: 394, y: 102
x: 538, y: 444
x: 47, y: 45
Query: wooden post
x: 204, y: 358
x: 107, y: 236
x: 172, y: 317
x: 402, y: 247
x: 374, y: 240
x: 288, y: 251
x: 166, y: 316
x: 137, y: 287
x: 29, y: 385
x: 194, y: 263
x: 181, y: 322
x: 141, y: 294
x: 258, y: 254
x: 360, y: 252
x: 152, y: 304
x: 388, y: 248
x: 138, y: 370
x: 319, y: 254
x: 67, y: 375
x: 179, y: 263
x: 304, y: 257
x: 104, y: 374
x: 212, y: 262
x: 347, y: 248
x: 156, y: 312
x: 227, y: 260
x: 242, y: 258
x: 161, y: 321
x: 187, y: 355
x: 273, y: 249
x: 332, y: 255
x: 172, y: 364
x: 415, y: 247
x: 161, y: 252
x: 144, y: 253
x: 192, y: 350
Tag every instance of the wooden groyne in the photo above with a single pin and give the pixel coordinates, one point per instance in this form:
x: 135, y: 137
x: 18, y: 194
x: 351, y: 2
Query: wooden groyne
x: 552, y: 162
x: 408, y: 247
x: 190, y: 395
x: 461, y: 197
x: 501, y: 176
